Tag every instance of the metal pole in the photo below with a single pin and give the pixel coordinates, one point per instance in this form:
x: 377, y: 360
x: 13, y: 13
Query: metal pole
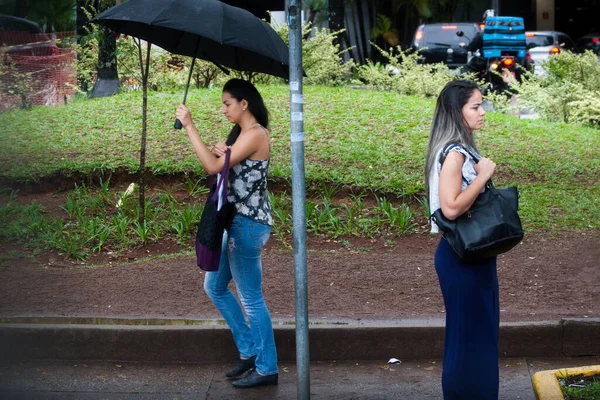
x: 298, y: 198
x: 177, y: 124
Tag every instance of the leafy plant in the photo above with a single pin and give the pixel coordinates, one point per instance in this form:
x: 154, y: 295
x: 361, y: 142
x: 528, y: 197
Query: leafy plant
x: 383, y: 28
x: 181, y: 230
x: 14, y: 82
x: 404, y: 74
x: 399, y: 220
x: 195, y: 187
x: 191, y: 215
x: 424, y: 202
x: 321, y: 56
x: 120, y: 226
x: 282, y: 216
x: 142, y: 230
x: 567, y: 92
x: 53, y: 15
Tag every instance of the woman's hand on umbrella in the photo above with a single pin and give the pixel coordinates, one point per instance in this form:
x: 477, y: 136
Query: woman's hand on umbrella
x: 183, y: 114
x: 220, y: 149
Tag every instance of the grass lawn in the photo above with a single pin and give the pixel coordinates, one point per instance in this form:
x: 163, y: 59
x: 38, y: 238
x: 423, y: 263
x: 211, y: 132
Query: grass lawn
x: 367, y: 140
x: 581, y: 388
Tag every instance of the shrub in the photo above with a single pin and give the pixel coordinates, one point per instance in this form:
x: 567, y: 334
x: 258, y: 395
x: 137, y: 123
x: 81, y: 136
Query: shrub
x: 322, y: 61
x: 569, y: 67
x: 321, y: 56
x: 87, y: 62
x: 404, y: 74
x: 13, y: 83
x: 587, y: 109
x: 568, y: 92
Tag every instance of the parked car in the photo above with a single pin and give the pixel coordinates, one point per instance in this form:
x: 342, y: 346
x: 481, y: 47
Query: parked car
x: 444, y: 42
x: 589, y: 42
x: 543, y: 44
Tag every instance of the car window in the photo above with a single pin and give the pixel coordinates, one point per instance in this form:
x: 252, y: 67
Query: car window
x: 447, y: 35
x: 534, y: 40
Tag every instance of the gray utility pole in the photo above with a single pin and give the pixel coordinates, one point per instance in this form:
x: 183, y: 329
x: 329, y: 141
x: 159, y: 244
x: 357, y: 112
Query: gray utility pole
x: 298, y: 198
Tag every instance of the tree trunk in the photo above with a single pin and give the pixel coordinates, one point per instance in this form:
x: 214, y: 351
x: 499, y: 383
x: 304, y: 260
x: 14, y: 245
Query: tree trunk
x: 142, y: 172
x: 82, y: 23
x: 312, y: 14
x: 336, y: 20
x: 107, y: 80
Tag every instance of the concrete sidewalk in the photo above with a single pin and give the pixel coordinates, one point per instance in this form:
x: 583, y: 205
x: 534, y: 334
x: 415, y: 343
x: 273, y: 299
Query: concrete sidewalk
x: 91, y: 358
x: 368, y: 380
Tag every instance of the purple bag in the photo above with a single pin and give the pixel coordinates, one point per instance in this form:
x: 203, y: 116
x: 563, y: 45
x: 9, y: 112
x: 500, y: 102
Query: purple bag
x: 209, y: 236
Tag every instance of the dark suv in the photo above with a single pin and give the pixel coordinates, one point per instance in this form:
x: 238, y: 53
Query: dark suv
x: 444, y: 42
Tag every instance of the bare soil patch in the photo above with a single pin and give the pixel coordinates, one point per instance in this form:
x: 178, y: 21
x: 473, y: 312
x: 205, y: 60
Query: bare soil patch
x: 544, y: 278
x: 385, y: 278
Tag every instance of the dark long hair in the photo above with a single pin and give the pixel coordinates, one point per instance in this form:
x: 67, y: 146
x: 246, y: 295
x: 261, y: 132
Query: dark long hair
x: 243, y: 90
x: 448, y: 122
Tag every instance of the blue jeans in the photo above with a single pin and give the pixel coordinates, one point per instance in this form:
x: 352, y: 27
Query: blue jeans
x: 241, y: 260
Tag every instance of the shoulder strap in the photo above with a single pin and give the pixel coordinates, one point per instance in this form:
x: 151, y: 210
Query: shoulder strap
x: 447, y: 148
x: 223, y: 182
x: 473, y: 156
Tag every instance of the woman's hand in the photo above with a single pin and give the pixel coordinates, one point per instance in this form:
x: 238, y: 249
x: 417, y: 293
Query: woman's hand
x: 485, y: 168
x: 220, y: 149
x: 183, y: 114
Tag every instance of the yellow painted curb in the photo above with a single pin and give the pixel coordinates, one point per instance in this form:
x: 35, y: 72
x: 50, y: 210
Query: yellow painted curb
x: 545, y: 383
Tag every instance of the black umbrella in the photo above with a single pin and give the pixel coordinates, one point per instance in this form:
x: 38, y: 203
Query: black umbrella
x: 208, y: 29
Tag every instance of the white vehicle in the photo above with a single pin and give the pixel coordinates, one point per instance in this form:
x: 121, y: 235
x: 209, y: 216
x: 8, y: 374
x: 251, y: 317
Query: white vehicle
x: 543, y: 44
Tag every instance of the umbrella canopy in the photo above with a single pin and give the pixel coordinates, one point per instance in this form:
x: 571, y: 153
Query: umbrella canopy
x: 207, y: 29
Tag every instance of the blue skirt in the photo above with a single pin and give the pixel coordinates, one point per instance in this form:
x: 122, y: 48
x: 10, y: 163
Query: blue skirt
x: 470, y: 367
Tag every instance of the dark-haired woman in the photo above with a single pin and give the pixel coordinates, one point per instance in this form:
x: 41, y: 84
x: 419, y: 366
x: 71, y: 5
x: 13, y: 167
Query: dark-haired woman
x: 454, y: 180
x: 244, y: 240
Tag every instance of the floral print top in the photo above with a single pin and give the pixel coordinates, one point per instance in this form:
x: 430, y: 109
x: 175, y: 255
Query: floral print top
x: 248, y: 190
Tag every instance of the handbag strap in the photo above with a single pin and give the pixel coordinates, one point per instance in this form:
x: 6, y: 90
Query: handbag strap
x: 489, y: 184
x: 224, y: 178
x: 453, y: 144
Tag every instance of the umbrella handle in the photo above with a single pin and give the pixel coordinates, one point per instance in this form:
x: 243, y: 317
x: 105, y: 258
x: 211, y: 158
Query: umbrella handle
x: 177, y: 124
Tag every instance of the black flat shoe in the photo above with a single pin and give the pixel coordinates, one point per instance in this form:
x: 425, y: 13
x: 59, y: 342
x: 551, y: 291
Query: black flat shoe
x: 241, y: 367
x: 255, y: 379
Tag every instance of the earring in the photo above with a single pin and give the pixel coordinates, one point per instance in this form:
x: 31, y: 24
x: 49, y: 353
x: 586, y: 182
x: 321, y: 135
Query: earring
x: 244, y: 109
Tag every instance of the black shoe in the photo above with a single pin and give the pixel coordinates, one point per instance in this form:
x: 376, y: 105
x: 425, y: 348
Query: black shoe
x: 241, y: 367
x: 255, y: 379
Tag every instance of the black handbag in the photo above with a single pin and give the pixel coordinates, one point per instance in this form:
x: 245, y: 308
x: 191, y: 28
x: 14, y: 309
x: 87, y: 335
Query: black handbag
x: 214, y: 221
x: 490, y: 227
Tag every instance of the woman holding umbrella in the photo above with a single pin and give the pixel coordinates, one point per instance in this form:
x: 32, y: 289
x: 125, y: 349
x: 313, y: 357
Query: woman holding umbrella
x: 241, y: 256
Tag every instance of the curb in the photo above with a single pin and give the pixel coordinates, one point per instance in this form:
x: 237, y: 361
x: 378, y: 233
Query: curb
x: 545, y: 383
x: 209, y: 341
